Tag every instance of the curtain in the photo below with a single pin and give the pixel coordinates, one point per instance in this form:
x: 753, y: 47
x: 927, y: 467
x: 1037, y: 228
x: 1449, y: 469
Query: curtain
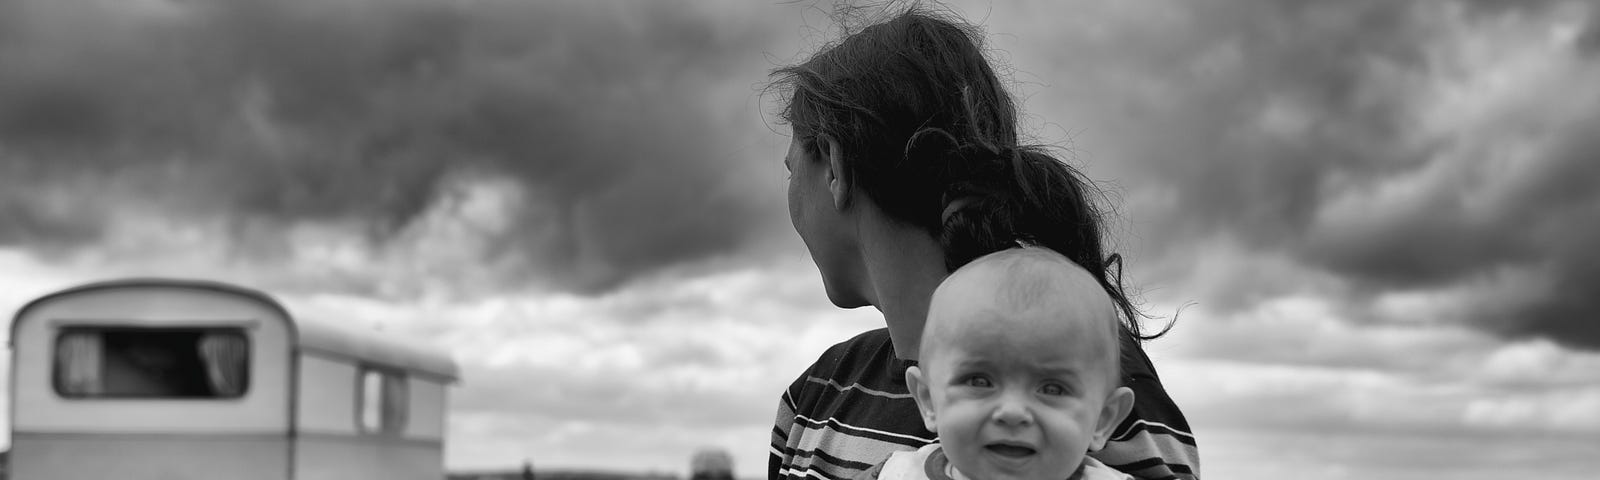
x: 78, y: 364
x: 227, y: 362
x: 395, y: 402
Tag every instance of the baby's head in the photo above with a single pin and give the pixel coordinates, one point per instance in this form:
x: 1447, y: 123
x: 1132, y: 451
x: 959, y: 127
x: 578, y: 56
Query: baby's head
x: 1019, y: 371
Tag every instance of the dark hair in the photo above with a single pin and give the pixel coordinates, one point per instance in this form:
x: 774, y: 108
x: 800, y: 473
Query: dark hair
x: 930, y: 134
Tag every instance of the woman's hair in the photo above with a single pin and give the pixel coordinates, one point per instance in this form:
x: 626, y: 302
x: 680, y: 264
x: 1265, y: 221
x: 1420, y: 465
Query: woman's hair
x: 930, y: 134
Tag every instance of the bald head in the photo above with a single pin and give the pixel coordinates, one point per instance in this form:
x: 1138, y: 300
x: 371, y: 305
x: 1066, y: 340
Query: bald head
x: 1034, y: 292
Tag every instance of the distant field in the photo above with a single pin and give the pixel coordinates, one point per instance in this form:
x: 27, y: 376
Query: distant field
x: 538, y: 474
x: 512, y: 475
x: 557, y: 475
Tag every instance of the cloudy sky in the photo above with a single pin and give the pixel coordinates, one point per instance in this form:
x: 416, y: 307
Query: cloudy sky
x: 1372, y: 220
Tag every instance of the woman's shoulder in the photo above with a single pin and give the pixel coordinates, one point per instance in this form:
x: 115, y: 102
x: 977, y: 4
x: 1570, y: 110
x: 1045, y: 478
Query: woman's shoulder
x: 873, y: 342
x: 869, y: 353
x: 851, y: 406
x: 1154, y: 440
x: 864, y: 364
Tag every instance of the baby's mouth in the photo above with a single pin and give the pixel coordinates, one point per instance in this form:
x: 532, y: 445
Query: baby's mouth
x: 1010, y: 450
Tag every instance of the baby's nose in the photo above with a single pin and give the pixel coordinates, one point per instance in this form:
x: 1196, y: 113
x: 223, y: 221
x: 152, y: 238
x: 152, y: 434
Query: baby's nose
x: 1012, y: 411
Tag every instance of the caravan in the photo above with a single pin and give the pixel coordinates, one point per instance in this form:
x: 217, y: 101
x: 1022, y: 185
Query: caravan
x: 177, y: 379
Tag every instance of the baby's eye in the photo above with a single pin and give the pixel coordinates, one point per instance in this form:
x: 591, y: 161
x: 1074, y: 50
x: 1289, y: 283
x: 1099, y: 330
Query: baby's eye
x: 977, y: 381
x: 1053, y: 389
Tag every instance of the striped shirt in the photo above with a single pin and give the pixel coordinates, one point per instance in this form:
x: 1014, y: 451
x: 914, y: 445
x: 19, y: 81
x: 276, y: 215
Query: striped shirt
x: 851, y: 410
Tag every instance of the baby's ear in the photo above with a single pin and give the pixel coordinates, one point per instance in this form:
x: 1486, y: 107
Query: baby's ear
x: 923, y: 396
x: 1116, y: 408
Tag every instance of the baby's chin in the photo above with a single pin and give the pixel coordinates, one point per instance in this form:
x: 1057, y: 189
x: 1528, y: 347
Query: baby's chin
x: 1004, y: 460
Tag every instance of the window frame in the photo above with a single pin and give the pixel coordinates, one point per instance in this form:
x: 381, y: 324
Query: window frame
x: 387, y: 425
x: 62, y: 331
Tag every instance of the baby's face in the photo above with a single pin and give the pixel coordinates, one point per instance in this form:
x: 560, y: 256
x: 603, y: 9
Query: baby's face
x: 1015, y: 395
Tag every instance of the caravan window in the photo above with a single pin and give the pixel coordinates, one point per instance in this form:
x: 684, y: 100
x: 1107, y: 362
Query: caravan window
x: 118, y: 362
x: 383, y: 402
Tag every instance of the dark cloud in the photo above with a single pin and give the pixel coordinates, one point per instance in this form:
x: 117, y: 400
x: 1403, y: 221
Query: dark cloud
x: 613, y: 117
x: 1327, y: 133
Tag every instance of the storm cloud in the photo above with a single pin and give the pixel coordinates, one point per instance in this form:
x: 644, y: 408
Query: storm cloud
x: 1438, y: 150
x: 620, y: 134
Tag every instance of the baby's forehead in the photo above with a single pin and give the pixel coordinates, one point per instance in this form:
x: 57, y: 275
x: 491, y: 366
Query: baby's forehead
x: 1031, y: 291
x: 1024, y: 279
x: 977, y: 322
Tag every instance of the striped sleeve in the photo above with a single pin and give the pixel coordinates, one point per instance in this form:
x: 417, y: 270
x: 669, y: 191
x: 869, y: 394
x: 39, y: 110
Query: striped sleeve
x: 846, y: 414
x: 780, y: 436
x: 1154, y: 441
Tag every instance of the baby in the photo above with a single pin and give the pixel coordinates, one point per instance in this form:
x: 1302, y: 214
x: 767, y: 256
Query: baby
x: 1018, y: 373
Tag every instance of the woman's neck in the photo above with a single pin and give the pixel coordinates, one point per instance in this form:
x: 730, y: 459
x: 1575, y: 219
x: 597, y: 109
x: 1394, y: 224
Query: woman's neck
x: 904, y: 265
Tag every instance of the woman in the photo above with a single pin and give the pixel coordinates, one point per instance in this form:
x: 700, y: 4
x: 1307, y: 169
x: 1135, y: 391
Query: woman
x: 904, y: 164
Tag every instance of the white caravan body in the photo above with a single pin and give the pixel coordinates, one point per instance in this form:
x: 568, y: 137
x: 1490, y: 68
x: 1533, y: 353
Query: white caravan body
x: 160, y: 379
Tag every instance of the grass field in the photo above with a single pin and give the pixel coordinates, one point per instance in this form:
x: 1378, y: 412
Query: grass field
x: 559, y: 475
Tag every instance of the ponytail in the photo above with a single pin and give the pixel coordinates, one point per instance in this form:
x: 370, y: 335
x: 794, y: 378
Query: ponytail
x: 1004, y: 197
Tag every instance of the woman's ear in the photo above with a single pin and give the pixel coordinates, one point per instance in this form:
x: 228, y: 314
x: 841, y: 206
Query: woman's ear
x: 1115, y: 408
x: 923, y: 396
x: 839, y: 182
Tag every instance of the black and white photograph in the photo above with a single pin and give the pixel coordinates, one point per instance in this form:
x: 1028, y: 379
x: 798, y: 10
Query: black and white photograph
x: 799, y: 239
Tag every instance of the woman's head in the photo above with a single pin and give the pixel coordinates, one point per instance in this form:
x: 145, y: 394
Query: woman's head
x: 927, y: 131
x: 876, y: 88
